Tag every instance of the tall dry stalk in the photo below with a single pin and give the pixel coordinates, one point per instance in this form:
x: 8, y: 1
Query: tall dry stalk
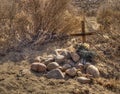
x: 34, y: 21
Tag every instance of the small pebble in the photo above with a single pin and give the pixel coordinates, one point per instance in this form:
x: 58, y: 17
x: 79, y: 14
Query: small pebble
x: 92, y: 70
x: 79, y: 65
x: 52, y: 65
x: 66, y: 66
x: 79, y: 73
x: 75, y: 57
x: 56, y: 74
x: 60, y: 59
x: 83, y: 80
x: 71, y: 71
x: 38, y: 67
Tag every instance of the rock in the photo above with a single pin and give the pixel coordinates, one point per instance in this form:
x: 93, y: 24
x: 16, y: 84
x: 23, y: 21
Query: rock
x: 66, y: 66
x: 66, y: 54
x: 71, y: 71
x: 75, y: 57
x: 86, y: 45
x: 46, y: 59
x: 79, y: 65
x: 83, y: 80
x: 50, y: 56
x: 37, y: 59
x: 38, y: 67
x: 68, y: 61
x: 49, y: 60
x: 55, y: 73
x: 86, y: 65
x: 63, y: 52
x: 92, y: 70
x: 79, y: 73
x: 60, y: 58
x: 52, y: 65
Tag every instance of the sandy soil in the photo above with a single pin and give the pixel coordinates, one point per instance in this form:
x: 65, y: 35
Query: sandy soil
x: 16, y: 77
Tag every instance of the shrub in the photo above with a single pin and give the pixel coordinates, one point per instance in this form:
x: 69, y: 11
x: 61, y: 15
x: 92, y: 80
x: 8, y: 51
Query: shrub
x: 34, y: 22
x: 108, y: 15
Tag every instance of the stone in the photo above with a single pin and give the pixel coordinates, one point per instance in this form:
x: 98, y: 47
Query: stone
x: 52, y: 65
x: 66, y: 54
x: 50, y: 56
x: 71, y: 72
x: 48, y: 60
x: 83, y: 80
x: 79, y: 65
x: 66, y: 66
x: 75, y: 57
x: 79, y: 73
x: 92, y: 70
x: 63, y: 52
x: 38, y: 67
x: 37, y: 59
x: 45, y: 59
x: 86, y: 45
x: 86, y: 65
x: 60, y: 59
x: 56, y: 74
x: 68, y: 61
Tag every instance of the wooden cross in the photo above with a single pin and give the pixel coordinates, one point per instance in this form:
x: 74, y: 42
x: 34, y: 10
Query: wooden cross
x: 83, y: 34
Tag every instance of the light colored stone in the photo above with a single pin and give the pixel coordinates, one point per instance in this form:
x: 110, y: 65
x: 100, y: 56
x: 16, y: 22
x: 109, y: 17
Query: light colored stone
x: 38, y: 67
x: 68, y: 61
x: 60, y: 58
x: 55, y: 73
x: 83, y: 80
x: 86, y: 45
x: 79, y: 73
x: 48, y: 60
x: 79, y: 65
x: 63, y: 52
x: 92, y: 70
x: 75, y: 57
x: 37, y: 59
x: 71, y: 71
x: 66, y: 66
x: 52, y: 65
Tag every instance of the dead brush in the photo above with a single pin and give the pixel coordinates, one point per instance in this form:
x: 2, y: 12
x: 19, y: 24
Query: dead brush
x: 108, y: 15
x: 111, y: 84
x: 33, y: 22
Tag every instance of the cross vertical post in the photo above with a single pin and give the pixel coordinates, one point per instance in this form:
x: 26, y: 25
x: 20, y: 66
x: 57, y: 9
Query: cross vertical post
x: 83, y: 31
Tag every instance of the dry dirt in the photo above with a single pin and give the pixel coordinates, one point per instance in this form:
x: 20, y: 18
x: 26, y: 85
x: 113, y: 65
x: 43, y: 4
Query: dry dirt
x: 16, y: 77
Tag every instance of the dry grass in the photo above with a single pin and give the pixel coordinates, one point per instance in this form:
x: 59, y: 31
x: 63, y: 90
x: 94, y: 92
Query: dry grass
x: 108, y: 15
x: 110, y: 84
x: 34, y: 21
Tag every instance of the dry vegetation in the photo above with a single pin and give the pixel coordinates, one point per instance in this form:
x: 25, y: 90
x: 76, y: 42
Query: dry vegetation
x: 31, y: 23
x: 24, y: 22
x: 108, y: 15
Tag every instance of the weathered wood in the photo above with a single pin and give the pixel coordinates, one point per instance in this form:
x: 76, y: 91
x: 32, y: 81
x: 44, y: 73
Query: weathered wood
x: 83, y: 33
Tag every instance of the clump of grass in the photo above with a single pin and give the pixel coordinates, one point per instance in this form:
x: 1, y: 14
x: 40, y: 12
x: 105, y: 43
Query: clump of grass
x: 108, y: 15
x: 110, y: 84
x: 24, y: 22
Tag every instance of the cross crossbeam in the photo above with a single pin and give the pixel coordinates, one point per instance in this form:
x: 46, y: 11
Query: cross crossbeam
x: 83, y: 33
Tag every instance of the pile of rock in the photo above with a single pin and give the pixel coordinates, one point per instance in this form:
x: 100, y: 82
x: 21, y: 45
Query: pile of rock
x: 66, y: 63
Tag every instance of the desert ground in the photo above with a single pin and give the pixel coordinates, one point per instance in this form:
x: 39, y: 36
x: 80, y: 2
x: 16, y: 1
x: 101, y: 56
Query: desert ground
x: 16, y: 76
